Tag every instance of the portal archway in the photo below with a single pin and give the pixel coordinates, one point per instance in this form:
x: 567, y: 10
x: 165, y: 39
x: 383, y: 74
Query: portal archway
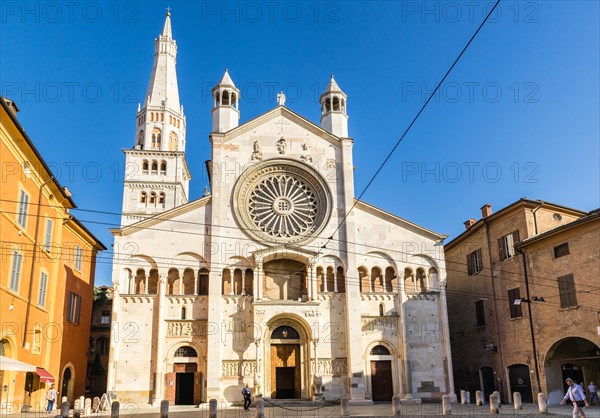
x: 573, y: 357
x: 287, y: 358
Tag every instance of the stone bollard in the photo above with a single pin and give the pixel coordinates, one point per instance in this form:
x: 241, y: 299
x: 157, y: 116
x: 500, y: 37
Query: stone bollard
x: 468, y: 397
x: 478, y: 397
x: 462, y: 397
x: 95, y: 404
x: 164, y: 409
x: 517, y: 401
x: 64, y: 399
x: 396, y: 405
x: 77, y: 405
x: 114, y: 409
x: 543, y: 403
x: 447, y: 405
x: 64, y: 409
x: 87, y: 407
x: 495, y: 403
x: 344, y: 407
x: 260, y: 408
x: 81, y: 403
x: 212, y: 408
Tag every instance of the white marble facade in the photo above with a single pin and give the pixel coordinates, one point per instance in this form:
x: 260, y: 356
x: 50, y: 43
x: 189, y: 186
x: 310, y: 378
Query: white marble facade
x: 278, y: 277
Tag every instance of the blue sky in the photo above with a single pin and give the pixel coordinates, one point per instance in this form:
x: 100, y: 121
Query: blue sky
x: 518, y: 117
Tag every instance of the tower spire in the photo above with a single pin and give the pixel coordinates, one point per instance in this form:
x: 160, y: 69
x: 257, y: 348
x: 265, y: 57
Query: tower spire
x: 334, y: 118
x: 161, y: 181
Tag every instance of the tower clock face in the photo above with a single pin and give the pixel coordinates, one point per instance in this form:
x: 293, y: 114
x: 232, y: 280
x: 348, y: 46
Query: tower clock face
x: 282, y: 201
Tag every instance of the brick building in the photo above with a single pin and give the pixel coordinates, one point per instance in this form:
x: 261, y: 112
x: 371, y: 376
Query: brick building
x: 503, y: 336
x: 99, y: 341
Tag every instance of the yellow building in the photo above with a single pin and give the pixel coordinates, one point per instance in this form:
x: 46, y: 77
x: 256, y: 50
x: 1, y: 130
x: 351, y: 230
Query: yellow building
x: 46, y: 277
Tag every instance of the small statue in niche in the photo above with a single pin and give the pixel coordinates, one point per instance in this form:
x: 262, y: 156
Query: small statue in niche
x: 307, y: 158
x: 281, y: 146
x: 256, y: 154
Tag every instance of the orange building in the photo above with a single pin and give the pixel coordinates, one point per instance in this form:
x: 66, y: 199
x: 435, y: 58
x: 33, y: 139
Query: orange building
x: 47, y: 268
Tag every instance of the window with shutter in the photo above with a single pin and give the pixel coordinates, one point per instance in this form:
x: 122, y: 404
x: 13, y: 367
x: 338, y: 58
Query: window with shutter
x: 566, y: 289
x: 48, y: 235
x: 15, y: 273
x: 23, y: 208
x: 515, y: 310
x: 480, y: 313
x: 506, y: 245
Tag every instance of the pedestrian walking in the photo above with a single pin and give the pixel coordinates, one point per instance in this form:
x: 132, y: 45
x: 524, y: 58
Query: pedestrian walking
x: 593, y: 391
x: 577, y: 396
x: 51, y: 398
x: 247, y: 397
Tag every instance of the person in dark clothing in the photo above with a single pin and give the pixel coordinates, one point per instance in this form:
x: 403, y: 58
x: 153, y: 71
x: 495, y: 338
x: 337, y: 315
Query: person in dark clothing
x: 247, y: 397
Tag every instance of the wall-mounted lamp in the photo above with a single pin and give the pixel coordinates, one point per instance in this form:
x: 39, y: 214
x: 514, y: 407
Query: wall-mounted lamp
x: 11, y: 306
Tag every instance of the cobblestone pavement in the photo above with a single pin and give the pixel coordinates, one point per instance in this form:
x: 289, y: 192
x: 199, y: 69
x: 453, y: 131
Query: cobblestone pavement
x: 378, y: 409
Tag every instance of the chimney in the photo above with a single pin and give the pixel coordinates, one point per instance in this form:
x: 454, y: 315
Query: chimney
x: 11, y: 105
x: 486, y: 210
x: 469, y: 223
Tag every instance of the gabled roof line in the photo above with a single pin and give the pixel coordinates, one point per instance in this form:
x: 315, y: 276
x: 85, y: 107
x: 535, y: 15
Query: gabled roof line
x: 439, y: 236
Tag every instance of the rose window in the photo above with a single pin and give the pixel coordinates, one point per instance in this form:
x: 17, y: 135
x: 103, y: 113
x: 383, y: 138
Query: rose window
x: 282, y: 201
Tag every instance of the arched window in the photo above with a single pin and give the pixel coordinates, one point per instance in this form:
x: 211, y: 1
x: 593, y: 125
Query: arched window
x: 186, y: 351
x: 336, y: 104
x: 233, y: 97
x: 170, y: 119
x: 156, y: 138
x: 162, y: 117
x: 141, y: 139
x: 381, y: 310
x: 217, y: 99
x: 380, y: 350
x: 285, y: 333
x: 154, y: 167
x: 183, y: 317
x: 172, y: 141
x: 143, y: 198
x: 328, y: 105
x: 163, y: 167
x: 225, y: 98
x: 376, y: 280
x: 145, y: 167
x: 330, y: 280
x: 364, y: 279
x: 161, y: 199
x: 153, y: 199
x: 340, y: 279
x: 320, y: 279
x: 343, y: 106
x: 421, y: 280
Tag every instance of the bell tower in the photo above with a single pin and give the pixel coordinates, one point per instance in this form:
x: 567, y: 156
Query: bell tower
x: 156, y: 173
x: 225, y: 113
x: 334, y: 118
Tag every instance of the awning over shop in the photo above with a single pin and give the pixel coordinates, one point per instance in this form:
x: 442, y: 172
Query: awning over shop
x: 10, y: 364
x: 44, y: 375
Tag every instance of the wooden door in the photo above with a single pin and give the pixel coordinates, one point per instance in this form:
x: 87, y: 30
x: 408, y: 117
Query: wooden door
x: 198, y: 381
x: 382, y: 386
x: 285, y: 356
x: 170, y: 388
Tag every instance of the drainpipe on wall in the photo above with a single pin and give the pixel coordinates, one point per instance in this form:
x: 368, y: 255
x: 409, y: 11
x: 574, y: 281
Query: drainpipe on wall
x: 530, y: 306
x: 489, y: 247
x: 33, y: 258
x: 535, y: 225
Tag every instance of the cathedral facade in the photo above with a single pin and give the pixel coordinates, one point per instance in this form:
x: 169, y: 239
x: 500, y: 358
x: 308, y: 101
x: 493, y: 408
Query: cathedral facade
x: 278, y: 277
